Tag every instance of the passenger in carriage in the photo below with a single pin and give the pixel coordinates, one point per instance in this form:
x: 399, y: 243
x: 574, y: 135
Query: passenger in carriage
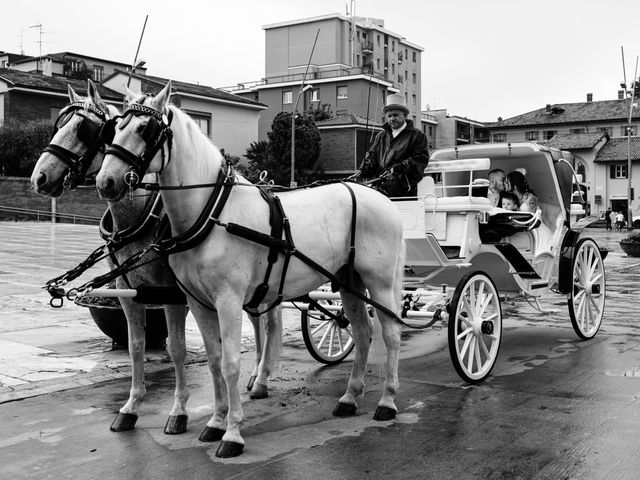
x: 527, y: 199
x: 510, y: 201
x: 496, y: 186
x: 399, y: 154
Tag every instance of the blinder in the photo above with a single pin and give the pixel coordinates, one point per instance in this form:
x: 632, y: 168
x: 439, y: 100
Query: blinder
x: 90, y: 132
x: 154, y: 133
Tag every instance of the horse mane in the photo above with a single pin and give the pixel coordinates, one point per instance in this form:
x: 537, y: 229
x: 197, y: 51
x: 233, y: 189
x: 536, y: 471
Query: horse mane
x: 199, y: 145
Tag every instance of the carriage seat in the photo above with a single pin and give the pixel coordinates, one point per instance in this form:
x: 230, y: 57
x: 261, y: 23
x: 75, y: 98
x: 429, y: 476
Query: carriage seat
x: 463, y: 202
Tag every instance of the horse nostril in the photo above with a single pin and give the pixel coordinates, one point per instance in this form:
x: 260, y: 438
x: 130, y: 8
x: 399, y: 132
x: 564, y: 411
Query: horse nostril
x: 41, y: 180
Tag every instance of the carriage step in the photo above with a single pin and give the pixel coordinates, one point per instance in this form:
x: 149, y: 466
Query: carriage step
x: 517, y: 261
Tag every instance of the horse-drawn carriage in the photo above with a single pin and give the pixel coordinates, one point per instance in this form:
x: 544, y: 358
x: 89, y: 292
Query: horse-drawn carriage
x: 439, y: 251
x: 458, y: 271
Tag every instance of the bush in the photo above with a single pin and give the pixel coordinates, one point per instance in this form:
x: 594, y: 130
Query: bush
x: 21, y: 144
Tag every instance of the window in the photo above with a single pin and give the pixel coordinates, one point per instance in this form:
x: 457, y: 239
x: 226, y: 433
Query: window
x: 393, y: 69
x: 202, y: 120
x: 393, y: 45
x: 430, y: 130
x: 624, y: 128
x: 618, y: 171
x: 358, y: 35
x: 378, y: 63
x: 3, y: 64
x: 378, y: 39
x: 499, y: 137
x: 577, y: 130
x: 98, y: 73
x: 357, y: 60
x: 315, y: 95
x: 75, y: 66
x: 531, y: 136
x: 342, y: 92
x: 287, y: 97
x: 605, y: 130
x: 413, y: 78
x: 413, y: 99
x: 413, y: 56
x: 549, y: 134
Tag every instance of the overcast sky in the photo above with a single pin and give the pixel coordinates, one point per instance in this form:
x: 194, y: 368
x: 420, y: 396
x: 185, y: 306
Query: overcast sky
x: 481, y: 59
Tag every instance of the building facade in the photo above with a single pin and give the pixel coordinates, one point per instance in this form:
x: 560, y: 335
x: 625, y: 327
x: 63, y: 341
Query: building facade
x: 451, y: 130
x: 355, y: 64
x: 35, y: 88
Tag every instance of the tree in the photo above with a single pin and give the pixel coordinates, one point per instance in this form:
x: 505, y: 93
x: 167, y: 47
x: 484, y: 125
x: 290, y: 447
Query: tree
x: 21, y: 144
x: 274, y: 156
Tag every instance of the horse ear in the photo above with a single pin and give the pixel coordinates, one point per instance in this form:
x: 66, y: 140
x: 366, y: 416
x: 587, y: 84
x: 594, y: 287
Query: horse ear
x: 92, y: 91
x: 73, y: 96
x: 162, y: 99
x: 129, y: 95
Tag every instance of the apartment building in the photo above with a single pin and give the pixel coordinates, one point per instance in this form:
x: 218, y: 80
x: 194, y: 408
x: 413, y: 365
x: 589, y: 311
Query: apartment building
x: 355, y: 64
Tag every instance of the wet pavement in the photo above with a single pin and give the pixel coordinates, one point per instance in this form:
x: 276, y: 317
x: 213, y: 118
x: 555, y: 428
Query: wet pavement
x: 554, y: 407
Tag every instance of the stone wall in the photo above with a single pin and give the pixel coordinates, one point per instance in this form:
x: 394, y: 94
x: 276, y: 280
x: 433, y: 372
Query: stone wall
x: 17, y: 192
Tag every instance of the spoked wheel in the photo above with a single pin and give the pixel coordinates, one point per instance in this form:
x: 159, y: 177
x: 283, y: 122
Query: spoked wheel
x: 475, y: 327
x: 586, y: 302
x: 329, y: 341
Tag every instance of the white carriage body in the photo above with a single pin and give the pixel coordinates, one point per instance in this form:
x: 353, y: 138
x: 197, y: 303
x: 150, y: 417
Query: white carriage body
x: 442, y: 226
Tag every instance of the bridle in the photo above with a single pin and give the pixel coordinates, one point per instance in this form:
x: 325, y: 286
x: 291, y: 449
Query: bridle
x: 156, y: 132
x: 93, y: 134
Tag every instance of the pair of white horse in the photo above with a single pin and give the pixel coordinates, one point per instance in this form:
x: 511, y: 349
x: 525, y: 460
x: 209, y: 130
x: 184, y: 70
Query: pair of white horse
x: 48, y: 178
x: 223, y: 271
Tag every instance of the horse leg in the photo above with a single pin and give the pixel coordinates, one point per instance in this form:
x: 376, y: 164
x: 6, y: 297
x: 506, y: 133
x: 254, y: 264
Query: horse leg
x: 258, y: 335
x: 210, y: 330
x: 356, y: 311
x: 177, y: 346
x: 391, y: 333
x: 136, y: 320
x: 229, y: 309
x: 270, y: 352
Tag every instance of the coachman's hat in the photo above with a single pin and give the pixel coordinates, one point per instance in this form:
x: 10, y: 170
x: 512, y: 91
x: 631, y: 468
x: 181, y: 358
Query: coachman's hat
x: 395, y: 102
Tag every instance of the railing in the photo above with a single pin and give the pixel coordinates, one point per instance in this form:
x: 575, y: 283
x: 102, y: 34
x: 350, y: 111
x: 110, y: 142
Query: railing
x: 41, y: 215
x: 298, y: 77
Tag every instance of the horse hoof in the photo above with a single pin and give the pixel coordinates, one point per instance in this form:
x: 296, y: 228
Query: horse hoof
x: 124, y: 422
x: 211, y: 434
x: 229, y: 449
x: 344, y: 410
x: 384, y: 413
x: 259, y: 391
x: 176, y: 424
x: 251, y: 382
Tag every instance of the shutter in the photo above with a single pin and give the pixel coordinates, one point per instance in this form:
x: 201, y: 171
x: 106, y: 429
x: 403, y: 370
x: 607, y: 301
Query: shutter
x: 612, y: 171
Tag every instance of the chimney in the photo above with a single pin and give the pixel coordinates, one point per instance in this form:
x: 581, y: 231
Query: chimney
x: 620, y: 94
x: 548, y: 108
x: 589, y: 97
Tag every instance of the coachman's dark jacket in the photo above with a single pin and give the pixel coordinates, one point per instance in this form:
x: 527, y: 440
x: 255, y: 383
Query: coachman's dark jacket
x: 404, y: 158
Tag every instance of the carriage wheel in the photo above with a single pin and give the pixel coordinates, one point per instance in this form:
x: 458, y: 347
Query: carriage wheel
x: 328, y: 341
x: 586, y: 302
x: 475, y: 327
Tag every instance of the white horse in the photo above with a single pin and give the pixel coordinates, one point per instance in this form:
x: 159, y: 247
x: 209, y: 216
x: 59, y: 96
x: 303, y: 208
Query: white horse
x: 67, y: 151
x: 223, y: 271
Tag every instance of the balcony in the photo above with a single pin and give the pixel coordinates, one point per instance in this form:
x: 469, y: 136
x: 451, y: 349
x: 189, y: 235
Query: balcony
x: 367, y: 48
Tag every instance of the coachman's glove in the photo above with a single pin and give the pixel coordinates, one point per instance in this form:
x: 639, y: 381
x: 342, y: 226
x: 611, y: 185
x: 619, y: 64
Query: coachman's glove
x: 400, y: 168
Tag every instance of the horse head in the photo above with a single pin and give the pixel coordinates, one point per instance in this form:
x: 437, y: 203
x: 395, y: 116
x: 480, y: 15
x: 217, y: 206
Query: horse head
x: 78, y: 138
x: 138, y: 146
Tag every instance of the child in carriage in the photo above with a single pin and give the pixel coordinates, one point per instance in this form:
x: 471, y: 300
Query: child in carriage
x: 509, y: 201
